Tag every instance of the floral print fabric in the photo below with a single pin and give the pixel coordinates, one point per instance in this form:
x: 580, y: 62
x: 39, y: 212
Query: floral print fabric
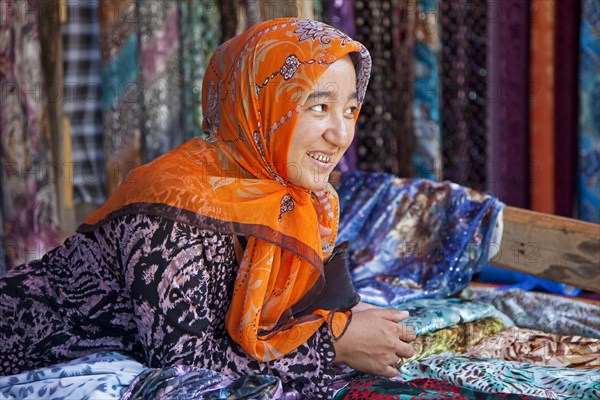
x: 96, y: 376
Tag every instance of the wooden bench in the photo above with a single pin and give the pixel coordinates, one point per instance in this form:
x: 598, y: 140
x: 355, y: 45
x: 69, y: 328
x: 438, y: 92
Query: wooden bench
x: 561, y: 249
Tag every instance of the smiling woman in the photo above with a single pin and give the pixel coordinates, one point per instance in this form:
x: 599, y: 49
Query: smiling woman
x: 154, y: 270
x: 325, y: 126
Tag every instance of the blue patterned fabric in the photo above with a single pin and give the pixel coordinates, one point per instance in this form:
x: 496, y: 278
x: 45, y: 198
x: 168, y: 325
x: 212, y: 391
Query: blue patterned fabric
x: 412, y: 239
x: 429, y: 315
x: 492, y: 375
x: 97, y: 376
x: 589, y: 112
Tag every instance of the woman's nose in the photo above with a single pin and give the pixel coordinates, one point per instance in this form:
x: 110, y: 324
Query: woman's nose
x: 340, y: 131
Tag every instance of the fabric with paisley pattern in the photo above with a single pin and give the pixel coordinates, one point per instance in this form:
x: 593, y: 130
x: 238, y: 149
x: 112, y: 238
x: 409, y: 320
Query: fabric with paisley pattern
x: 235, y: 181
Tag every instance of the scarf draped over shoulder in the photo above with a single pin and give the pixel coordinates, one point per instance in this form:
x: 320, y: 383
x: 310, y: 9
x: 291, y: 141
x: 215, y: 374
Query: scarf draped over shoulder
x: 234, y: 180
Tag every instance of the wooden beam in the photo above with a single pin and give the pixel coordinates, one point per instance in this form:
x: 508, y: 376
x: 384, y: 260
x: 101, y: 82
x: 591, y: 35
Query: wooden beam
x: 551, y: 247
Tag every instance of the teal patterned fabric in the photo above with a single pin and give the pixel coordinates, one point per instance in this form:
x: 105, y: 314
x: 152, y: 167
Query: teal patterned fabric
x: 427, y: 159
x: 97, y: 376
x: 429, y: 315
x: 492, y: 375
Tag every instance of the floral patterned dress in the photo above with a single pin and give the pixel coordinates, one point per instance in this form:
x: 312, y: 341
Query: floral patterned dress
x: 146, y: 285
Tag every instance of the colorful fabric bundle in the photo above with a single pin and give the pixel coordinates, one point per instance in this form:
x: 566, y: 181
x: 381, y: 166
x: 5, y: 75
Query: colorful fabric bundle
x: 536, y: 347
x: 542, y: 312
x: 455, y: 339
x: 384, y: 389
x: 430, y: 315
x: 413, y: 239
x: 491, y: 375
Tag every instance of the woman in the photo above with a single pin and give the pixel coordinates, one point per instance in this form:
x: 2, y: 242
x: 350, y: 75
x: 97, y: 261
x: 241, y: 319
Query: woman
x: 220, y: 253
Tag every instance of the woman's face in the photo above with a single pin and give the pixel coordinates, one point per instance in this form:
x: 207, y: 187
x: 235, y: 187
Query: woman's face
x: 325, y: 127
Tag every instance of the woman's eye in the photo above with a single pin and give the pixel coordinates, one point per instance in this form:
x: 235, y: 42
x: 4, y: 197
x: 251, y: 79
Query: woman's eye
x: 351, y: 110
x: 319, y: 107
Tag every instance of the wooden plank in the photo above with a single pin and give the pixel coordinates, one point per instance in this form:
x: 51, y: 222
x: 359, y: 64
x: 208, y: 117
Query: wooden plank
x: 551, y: 247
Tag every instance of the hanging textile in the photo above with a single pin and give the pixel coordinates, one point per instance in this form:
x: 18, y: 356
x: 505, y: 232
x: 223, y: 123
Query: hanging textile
x: 160, y: 67
x: 508, y: 101
x: 491, y: 375
x: 200, y: 37
x: 566, y: 105
x: 541, y: 105
x: 121, y: 89
x: 589, y: 113
x: 341, y: 16
x: 29, y: 199
x: 427, y: 160
x: 385, y: 27
x: 413, y: 239
x: 537, y: 347
x: 463, y: 83
x: 82, y: 101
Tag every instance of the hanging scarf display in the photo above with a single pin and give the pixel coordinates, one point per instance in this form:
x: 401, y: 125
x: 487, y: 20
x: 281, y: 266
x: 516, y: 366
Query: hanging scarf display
x: 200, y: 37
x: 29, y: 199
x: 160, y: 63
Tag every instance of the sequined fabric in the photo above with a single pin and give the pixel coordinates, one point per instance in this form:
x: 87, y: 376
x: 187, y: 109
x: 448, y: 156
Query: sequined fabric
x: 508, y: 166
x: 463, y: 83
x: 413, y: 239
x: 383, y: 135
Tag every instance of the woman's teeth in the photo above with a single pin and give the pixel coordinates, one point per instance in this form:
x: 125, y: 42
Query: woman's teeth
x: 319, y: 157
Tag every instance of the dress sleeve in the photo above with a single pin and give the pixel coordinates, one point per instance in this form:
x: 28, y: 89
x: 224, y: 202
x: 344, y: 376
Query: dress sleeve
x: 181, y: 280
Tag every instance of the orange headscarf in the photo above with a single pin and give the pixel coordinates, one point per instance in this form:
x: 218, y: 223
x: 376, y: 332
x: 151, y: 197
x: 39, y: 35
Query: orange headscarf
x: 235, y: 181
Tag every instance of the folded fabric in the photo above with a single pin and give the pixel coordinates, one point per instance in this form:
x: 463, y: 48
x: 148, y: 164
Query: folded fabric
x: 455, y: 339
x: 182, y: 382
x: 429, y: 315
x: 382, y: 389
x: 491, y: 375
x: 542, y: 312
x: 536, y: 347
x: 97, y: 376
x: 413, y: 239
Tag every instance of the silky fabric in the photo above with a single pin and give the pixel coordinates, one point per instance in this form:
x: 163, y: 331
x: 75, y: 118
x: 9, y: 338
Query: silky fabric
x: 537, y: 347
x: 491, y: 375
x: 235, y: 181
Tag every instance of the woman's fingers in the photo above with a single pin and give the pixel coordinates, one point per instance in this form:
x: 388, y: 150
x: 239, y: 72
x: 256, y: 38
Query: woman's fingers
x: 391, y: 314
x: 406, y: 333
x: 404, y: 350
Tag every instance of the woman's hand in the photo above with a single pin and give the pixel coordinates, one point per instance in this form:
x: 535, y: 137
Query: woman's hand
x: 374, y: 341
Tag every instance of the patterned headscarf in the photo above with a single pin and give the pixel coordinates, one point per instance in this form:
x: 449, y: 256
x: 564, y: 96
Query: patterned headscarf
x: 235, y: 181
